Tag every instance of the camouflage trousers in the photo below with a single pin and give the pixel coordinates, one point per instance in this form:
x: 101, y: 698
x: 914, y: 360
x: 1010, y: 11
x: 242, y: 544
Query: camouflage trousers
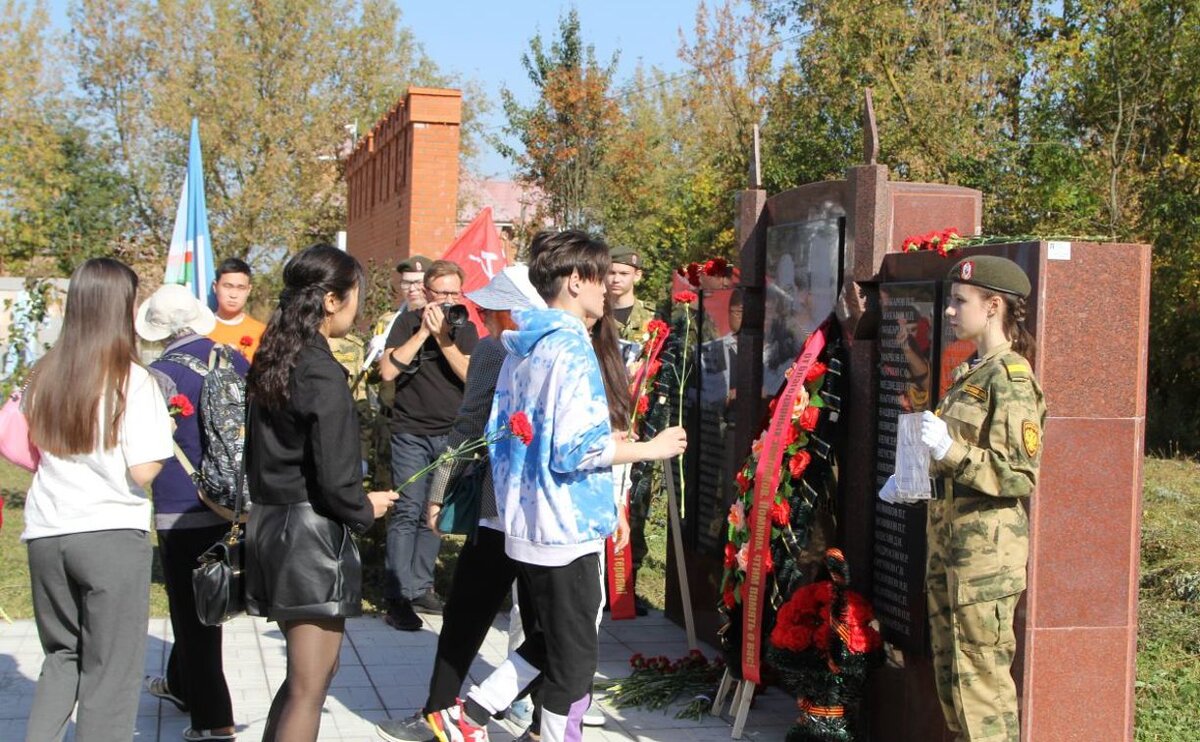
x: 973, y: 646
x: 645, y: 481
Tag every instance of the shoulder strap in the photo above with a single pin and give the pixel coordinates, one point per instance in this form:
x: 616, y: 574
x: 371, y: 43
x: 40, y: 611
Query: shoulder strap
x: 188, y: 361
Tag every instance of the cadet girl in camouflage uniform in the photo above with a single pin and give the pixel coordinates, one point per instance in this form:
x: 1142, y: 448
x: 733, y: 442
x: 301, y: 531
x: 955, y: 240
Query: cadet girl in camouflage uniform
x: 986, y: 442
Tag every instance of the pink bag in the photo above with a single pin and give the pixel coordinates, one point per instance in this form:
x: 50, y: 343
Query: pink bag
x: 15, y: 444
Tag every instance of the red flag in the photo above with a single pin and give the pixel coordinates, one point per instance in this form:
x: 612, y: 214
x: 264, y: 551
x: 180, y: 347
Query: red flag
x: 479, y: 252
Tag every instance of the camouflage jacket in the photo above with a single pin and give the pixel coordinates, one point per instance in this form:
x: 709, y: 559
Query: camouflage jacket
x: 995, y: 413
x: 635, y: 327
x: 350, y: 351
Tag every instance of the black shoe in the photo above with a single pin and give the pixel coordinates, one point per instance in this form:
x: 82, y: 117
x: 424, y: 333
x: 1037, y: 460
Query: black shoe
x: 428, y: 602
x: 641, y: 606
x: 402, y: 617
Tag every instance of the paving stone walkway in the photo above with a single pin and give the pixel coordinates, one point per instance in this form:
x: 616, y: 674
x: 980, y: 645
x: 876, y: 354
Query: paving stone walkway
x: 384, y: 674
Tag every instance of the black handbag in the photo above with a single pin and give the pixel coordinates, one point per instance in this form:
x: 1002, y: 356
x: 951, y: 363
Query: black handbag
x: 218, y: 584
x: 460, y: 504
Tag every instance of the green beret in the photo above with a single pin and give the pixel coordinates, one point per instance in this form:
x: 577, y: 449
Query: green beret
x: 413, y: 264
x: 991, y: 272
x: 626, y: 255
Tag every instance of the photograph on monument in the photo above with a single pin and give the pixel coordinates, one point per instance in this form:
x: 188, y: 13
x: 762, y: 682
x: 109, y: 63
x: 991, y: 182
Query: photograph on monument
x: 802, y: 285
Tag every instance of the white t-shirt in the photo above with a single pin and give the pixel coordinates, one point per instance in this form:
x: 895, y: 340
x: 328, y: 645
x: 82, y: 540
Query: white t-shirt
x: 93, y: 491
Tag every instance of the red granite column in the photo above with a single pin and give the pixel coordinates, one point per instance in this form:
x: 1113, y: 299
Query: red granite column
x: 1081, y: 606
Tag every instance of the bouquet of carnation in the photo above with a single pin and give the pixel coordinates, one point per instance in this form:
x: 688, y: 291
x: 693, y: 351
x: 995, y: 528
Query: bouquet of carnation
x: 824, y: 642
x: 657, y: 682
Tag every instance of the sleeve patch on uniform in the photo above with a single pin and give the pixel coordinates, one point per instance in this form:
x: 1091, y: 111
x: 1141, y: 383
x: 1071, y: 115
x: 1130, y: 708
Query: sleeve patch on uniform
x: 977, y: 392
x: 1018, y: 369
x: 1031, y: 437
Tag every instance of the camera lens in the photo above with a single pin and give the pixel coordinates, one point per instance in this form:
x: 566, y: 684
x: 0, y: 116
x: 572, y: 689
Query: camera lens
x: 456, y: 314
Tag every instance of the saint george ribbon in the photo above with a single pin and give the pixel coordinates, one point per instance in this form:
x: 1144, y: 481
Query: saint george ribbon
x: 766, y: 483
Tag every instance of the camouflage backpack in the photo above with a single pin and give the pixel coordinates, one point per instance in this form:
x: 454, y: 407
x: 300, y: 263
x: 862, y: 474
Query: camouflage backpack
x: 222, y: 420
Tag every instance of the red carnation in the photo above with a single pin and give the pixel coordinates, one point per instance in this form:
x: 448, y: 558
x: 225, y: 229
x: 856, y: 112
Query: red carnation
x: 519, y: 426
x: 693, y: 274
x: 781, y: 513
x: 716, y: 267
x: 643, y: 404
x: 729, y: 598
x: 821, y: 637
x: 658, y: 328
x: 863, y: 640
x: 684, y: 297
x: 730, y: 555
x: 743, y: 482
x: 799, y: 463
x: 815, y: 371
x: 808, y: 418
x: 181, y: 405
x: 653, y: 369
x: 246, y: 341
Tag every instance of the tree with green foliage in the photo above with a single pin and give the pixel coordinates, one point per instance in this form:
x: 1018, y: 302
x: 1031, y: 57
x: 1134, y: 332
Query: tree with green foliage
x: 61, y: 199
x: 566, y: 132
x: 274, y: 84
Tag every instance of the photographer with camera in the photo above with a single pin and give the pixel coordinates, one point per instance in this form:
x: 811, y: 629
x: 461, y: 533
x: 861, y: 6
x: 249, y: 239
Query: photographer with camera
x: 427, y: 353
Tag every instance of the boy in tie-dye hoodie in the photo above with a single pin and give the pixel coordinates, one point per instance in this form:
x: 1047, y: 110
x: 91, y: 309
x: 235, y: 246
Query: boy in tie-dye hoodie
x: 555, y: 495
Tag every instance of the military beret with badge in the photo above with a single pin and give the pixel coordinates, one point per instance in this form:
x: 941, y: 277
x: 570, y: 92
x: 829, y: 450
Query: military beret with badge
x: 626, y: 256
x: 991, y: 272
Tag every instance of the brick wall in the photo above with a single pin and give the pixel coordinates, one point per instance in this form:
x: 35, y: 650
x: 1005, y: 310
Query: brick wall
x: 402, y: 180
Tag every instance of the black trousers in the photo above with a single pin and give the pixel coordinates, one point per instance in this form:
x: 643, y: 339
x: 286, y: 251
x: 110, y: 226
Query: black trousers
x: 195, y: 673
x: 560, y: 607
x: 483, y: 576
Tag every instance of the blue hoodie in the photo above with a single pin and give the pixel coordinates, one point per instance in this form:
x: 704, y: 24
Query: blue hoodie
x: 554, y: 496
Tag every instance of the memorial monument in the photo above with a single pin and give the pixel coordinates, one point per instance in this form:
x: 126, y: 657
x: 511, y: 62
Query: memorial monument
x: 1077, y: 623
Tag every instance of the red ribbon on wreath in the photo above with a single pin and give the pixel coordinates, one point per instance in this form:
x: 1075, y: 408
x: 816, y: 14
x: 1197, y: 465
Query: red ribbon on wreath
x: 766, y: 483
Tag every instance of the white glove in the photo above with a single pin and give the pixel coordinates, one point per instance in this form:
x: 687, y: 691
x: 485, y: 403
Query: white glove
x: 935, y: 435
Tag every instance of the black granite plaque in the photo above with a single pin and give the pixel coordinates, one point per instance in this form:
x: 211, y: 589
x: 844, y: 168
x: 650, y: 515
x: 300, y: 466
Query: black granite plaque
x: 907, y: 368
x: 803, y: 261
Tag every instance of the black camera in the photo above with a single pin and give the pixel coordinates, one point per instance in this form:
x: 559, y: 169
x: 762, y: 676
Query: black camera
x: 456, y: 314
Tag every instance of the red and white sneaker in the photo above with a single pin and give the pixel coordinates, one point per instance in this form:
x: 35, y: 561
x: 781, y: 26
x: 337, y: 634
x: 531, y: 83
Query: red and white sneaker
x: 453, y: 725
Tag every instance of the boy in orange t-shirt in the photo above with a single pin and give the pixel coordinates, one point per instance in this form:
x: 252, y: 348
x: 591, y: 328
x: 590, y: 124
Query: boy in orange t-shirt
x: 234, y: 326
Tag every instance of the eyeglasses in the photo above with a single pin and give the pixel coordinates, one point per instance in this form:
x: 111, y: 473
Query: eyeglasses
x: 445, y: 295
x: 406, y: 285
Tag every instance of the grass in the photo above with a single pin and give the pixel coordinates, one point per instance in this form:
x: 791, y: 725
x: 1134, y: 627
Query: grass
x: 15, y: 599
x: 1168, y: 678
x: 1168, y: 673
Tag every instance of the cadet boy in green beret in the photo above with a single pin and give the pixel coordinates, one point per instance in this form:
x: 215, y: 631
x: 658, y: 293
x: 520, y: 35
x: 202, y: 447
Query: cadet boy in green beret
x: 631, y: 313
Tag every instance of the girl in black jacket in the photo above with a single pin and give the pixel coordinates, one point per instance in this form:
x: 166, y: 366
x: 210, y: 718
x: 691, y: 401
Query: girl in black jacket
x: 305, y: 478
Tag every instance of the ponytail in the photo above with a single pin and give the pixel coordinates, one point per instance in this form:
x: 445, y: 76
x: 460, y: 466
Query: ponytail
x: 1014, y: 327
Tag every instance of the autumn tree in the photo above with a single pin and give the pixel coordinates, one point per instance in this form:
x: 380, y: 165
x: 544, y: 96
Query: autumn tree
x: 566, y: 132
x: 275, y: 85
x: 61, y: 200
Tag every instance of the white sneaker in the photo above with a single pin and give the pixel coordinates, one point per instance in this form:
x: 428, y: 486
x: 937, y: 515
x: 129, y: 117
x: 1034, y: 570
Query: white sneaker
x: 594, y: 717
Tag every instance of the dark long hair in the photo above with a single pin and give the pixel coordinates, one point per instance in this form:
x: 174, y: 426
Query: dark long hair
x: 89, y: 363
x: 606, y: 341
x: 1014, y: 324
x: 307, y: 277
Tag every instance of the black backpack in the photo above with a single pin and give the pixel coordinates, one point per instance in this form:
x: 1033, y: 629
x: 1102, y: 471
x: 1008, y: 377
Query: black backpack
x: 222, y: 420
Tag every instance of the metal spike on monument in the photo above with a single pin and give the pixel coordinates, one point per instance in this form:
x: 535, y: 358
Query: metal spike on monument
x: 190, y: 259
x: 870, y: 131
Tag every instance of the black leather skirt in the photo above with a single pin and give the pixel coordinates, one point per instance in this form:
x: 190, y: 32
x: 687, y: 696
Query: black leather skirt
x: 300, y: 565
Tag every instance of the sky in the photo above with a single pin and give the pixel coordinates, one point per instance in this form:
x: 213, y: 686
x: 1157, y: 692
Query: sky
x: 483, y: 40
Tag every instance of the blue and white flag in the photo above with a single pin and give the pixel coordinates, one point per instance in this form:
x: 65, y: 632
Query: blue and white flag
x: 190, y: 259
